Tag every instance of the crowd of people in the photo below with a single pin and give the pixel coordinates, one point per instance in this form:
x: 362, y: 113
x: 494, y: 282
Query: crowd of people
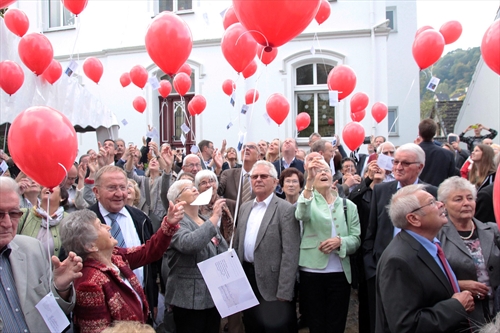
x: 411, y: 228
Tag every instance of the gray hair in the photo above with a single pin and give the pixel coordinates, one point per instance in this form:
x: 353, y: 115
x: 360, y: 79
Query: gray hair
x: 402, y: 203
x: 415, y: 149
x: 176, y: 188
x: 319, y: 146
x: 78, y: 232
x: 8, y: 184
x: 189, y: 156
x: 314, y: 135
x: 383, y: 144
x: 272, y: 169
x: 205, y: 174
x: 452, y: 184
x: 107, y: 169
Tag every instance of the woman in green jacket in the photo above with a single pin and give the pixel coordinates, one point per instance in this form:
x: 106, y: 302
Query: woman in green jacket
x: 331, y: 234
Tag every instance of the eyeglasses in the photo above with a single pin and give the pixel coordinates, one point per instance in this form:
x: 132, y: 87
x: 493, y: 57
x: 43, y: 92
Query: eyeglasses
x: 263, y: 176
x: 72, y: 178
x: 249, y: 147
x: 114, y: 188
x: 14, y: 215
x: 432, y: 203
x: 403, y: 163
x: 389, y: 152
x: 193, y: 165
x: 187, y: 188
x: 323, y: 170
x: 207, y: 182
x: 291, y: 181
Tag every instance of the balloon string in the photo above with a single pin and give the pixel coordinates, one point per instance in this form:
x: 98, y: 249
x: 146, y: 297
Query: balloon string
x: 183, y: 107
x: 5, y: 135
x: 160, y: 118
x: 404, y: 102
x: 47, y: 236
x: 78, y: 25
x: 320, y: 49
x: 267, y: 42
x: 38, y: 82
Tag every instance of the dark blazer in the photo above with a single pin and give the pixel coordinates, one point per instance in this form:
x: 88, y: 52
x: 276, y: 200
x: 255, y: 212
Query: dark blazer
x: 484, y: 205
x: 229, y: 183
x: 296, y: 163
x: 413, y: 292
x: 361, y: 163
x: 380, y: 230
x: 462, y: 263
x: 439, y: 164
x: 276, y: 253
x: 144, y: 229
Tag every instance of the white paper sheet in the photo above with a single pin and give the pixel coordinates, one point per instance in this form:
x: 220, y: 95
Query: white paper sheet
x: 227, y: 283
x: 52, y: 314
x: 203, y: 198
x: 385, y: 162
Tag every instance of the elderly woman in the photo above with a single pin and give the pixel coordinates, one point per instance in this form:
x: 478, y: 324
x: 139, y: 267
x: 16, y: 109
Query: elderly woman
x: 471, y: 246
x: 198, y: 239
x: 45, y: 218
x: 482, y: 173
x: 109, y: 290
x: 291, y: 181
x: 331, y: 234
x: 204, y: 180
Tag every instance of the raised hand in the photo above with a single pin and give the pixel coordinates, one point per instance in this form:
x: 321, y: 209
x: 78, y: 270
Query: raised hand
x: 67, y: 271
x: 175, y: 212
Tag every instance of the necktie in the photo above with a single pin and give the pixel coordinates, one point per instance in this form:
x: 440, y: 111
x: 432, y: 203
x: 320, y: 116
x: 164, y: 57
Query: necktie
x: 447, y: 269
x: 246, y: 194
x: 116, y: 231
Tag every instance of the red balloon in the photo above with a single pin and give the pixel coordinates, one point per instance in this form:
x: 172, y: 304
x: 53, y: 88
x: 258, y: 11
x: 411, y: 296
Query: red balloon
x: 427, y: 48
x: 451, y: 31
x: 422, y: 29
x: 197, y: 105
x: 6, y: 3
x: 238, y: 47
x: 330, y: 122
x: 359, y: 102
x: 53, y: 72
x: 125, y: 79
x: 273, y: 23
x: 496, y: 197
x: 379, y: 111
x: 353, y: 135
x: 139, y: 104
x: 11, y: 76
x: 185, y: 69
x: 266, y: 57
x: 358, y: 116
x: 490, y: 47
x: 35, y: 51
x: 139, y: 76
x: 250, y: 95
x: 323, y: 12
x: 277, y: 108
x: 92, y: 67
x: 302, y: 121
x: 343, y: 79
x: 165, y: 88
x: 17, y: 21
x: 228, y: 86
x: 52, y: 139
x: 229, y: 18
x: 75, y: 6
x: 182, y: 83
x: 250, y: 69
x: 169, y: 42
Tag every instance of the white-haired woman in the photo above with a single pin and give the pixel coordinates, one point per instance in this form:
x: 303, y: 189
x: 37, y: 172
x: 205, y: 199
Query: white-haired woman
x: 204, y: 180
x: 471, y: 247
x: 331, y: 234
x: 198, y: 239
x: 109, y: 290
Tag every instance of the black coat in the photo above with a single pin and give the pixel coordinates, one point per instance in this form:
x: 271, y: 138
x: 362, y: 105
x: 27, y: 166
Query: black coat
x: 439, y: 164
x: 484, y: 205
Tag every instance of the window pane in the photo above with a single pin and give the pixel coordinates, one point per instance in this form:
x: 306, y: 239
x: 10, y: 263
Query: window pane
x: 179, y: 118
x: 392, y: 122
x: 54, y: 13
x: 326, y: 115
x: 322, y: 71
x: 184, y: 4
x: 305, y: 75
x: 305, y: 103
x: 69, y: 18
x: 389, y: 14
x: 165, y: 5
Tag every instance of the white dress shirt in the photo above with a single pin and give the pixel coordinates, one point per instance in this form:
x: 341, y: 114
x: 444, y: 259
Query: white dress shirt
x: 253, y: 226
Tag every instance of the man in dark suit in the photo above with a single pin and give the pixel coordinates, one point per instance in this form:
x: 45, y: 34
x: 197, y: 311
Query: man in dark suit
x: 267, y: 242
x: 288, y: 150
x: 484, y: 205
x: 440, y: 162
x: 409, y: 160
x: 416, y: 289
x: 134, y: 227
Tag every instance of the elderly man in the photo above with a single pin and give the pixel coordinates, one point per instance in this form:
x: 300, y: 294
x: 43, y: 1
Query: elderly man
x: 325, y: 148
x: 387, y: 148
x: 191, y: 164
x: 129, y: 226
x: 25, y: 271
x: 409, y: 160
x: 70, y: 186
x: 267, y: 242
x: 313, y: 138
x: 263, y: 145
x: 417, y: 290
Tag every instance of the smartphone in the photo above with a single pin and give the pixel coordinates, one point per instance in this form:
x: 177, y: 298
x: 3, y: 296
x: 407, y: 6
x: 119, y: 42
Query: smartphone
x: 452, y: 138
x: 474, y: 126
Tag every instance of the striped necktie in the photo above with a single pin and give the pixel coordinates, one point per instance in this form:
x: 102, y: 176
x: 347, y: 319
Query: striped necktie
x: 116, y: 231
x: 246, y: 194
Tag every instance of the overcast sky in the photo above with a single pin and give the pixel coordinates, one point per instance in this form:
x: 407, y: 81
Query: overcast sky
x: 474, y: 15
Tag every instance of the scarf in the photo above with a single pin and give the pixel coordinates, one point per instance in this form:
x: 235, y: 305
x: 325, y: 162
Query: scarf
x: 53, y: 221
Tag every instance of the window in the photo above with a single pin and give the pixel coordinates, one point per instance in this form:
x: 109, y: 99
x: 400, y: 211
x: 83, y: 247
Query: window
x: 390, y: 14
x: 59, y: 16
x: 311, y: 96
x: 175, y: 5
x: 393, y: 121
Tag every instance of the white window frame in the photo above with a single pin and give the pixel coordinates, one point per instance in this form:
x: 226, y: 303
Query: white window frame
x: 395, y: 128
x: 46, y: 18
x: 394, y: 11
x: 175, y: 5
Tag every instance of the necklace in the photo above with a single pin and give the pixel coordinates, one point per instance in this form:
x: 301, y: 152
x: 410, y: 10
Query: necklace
x: 471, y: 233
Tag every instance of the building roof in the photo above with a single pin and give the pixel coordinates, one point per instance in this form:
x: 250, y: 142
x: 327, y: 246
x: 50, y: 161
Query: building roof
x: 445, y: 113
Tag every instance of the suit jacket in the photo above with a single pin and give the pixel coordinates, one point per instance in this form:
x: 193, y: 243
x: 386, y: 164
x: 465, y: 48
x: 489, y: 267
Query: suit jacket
x: 380, y: 230
x: 30, y: 267
x: 462, y: 263
x: 413, y: 292
x: 484, y: 205
x: 296, y: 163
x: 361, y: 163
x: 229, y: 184
x: 276, y: 253
x: 439, y: 164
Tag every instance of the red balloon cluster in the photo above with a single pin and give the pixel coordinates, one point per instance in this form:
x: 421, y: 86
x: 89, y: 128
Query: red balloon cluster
x: 228, y: 86
x: 323, y: 12
x: 427, y: 48
x: 302, y: 121
x: 185, y: 69
x: 197, y: 105
x: 490, y: 48
x: 169, y: 42
x: 277, y: 108
x: 451, y: 31
x: 343, y: 79
x: 75, y: 6
x: 353, y: 135
x: 11, y: 76
x: 358, y: 116
x: 17, y: 21
x: 238, y: 47
x: 359, y: 102
x: 125, y: 79
x: 53, y: 72
x: 36, y: 52
x: 139, y: 76
x: 249, y: 96
x: 92, y: 67
x: 379, y: 111
x: 182, y: 83
x: 52, y: 139
x: 266, y: 57
x: 165, y: 88
x: 139, y: 104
